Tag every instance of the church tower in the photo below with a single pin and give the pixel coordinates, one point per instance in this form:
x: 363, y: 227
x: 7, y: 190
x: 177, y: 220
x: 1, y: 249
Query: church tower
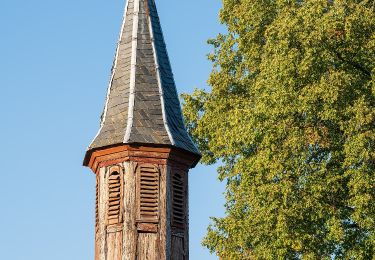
x: 142, y: 152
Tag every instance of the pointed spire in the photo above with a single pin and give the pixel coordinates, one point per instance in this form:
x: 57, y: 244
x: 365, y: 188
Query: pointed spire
x: 142, y: 104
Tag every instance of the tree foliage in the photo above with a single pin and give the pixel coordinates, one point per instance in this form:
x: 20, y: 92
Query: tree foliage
x: 290, y: 116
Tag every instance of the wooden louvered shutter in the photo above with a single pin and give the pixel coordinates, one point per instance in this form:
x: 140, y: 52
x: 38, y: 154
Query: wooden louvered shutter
x: 179, y: 198
x: 97, y: 204
x: 114, y: 196
x: 148, y: 193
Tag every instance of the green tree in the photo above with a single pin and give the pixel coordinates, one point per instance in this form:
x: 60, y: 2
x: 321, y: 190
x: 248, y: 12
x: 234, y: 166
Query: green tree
x: 290, y: 116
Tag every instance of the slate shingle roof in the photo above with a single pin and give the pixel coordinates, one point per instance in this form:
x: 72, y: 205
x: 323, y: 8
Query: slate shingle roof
x: 142, y: 104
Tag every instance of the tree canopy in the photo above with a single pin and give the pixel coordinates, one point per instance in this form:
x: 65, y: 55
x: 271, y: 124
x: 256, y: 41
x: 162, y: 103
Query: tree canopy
x: 290, y: 116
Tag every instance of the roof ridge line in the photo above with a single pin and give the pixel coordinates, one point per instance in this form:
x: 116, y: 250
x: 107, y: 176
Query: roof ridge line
x: 133, y: 66
x: 113, y: 71
x: 157, y: 68
x: 174, y: 82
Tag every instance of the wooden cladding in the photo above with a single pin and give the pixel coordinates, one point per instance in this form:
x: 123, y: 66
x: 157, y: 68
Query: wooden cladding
x: 114, y: 196
x: 97, y: 204
x: 148, y: 193
x: 178, y: 198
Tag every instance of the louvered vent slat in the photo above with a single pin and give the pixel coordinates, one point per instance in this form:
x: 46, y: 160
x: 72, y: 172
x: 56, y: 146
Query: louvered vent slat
x: 114, y: 197
x: 148, y: 193
x: 178, y: 204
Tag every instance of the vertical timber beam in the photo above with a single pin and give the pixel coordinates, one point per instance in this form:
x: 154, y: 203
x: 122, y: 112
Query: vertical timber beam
x: 109, y: 231
x: 130, y: 212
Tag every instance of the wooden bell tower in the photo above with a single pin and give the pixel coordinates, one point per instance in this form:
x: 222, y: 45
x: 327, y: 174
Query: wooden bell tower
x: 142, y: 153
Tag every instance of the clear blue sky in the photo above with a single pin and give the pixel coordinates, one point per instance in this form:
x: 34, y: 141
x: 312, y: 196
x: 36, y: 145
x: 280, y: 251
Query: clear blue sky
x: 55, y: 60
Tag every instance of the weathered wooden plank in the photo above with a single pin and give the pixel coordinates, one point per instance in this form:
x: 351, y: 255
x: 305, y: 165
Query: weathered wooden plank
x: 186, y: 240
x: 130, y: 212
x: 164, y: 230
x: 118, y: 245
x: 149, y: 160
x: 102, y: 208
x: 97, y: 235
x: 178, y: 252
x: 114, y: 245
x: 147, y: 246
x: 147, y: 227
x: 111, y: 243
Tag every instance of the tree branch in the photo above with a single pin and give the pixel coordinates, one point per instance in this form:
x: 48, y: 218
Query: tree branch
x: 353, y: 64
